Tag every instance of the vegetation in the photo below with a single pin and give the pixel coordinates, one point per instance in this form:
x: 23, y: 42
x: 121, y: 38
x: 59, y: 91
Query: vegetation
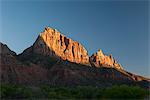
x: 15, y: 92
x: 80, y: 92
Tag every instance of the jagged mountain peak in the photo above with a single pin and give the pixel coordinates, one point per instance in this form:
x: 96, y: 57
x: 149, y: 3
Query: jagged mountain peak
x: 51, y: 42
x: 100, y: 52
x: 48, y: 30
x: 5, y: 50
x: 99, y: 59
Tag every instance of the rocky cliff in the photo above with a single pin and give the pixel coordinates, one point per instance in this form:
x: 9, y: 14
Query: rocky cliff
x: 5, y: 50
x: 17, y: 72
x: 98, y: 59
x: 52, y: 43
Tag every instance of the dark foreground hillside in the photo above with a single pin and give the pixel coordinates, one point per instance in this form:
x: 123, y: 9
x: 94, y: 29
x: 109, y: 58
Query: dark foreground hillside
x: 80, y: 92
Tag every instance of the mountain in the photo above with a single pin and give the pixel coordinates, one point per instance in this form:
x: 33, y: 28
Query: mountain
x: 5, y: 50
x: 52, y: 43
x: 98, y: 59
x: 16, y: 72
x: 56, y: 60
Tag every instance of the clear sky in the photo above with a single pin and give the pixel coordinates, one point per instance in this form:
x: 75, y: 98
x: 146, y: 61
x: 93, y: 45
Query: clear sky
x: 119, y: 28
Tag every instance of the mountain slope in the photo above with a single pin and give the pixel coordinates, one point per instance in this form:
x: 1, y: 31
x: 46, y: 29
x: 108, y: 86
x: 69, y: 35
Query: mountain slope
x: 16, y: 72
x: 54, y: 44
x: 59, y: 61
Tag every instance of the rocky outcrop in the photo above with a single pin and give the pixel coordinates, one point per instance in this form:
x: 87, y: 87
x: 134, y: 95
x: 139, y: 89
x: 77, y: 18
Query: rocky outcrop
x: 5, y: 50
x: 16, y: 72
x: 98, y: 59
x: 7, y: 56
x: 54, y: 44
x: 51, y: 42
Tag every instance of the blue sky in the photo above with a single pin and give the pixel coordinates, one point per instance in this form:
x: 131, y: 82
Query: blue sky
x: 119, y: 28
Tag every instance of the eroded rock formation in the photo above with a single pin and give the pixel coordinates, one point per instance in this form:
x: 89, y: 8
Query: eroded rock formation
x: 98, y: 59
x: 52, y: 42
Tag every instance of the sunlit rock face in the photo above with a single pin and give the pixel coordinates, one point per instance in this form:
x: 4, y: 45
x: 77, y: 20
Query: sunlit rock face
x: 98, y: 59
x: 51, y: 42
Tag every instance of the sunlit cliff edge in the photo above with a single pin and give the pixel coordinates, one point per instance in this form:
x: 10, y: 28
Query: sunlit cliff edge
x: 57, y: 60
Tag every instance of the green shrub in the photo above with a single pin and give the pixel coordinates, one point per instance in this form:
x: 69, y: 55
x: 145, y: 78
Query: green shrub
x: 13, y: 91
x: 86, y: 92
x: 79, y: 92
x: 125, y: 92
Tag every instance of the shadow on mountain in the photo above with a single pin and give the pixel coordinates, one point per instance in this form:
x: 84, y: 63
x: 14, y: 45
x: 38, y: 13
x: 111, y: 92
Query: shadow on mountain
x: 38, y: 65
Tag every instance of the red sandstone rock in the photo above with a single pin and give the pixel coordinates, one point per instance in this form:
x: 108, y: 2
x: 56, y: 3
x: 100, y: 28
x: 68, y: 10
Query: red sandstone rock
x: 52, y: 42
x: 98, y: 59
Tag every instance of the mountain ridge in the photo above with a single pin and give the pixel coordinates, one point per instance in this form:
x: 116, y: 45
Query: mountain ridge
x: 68, y: 49
x: 53, y: 60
